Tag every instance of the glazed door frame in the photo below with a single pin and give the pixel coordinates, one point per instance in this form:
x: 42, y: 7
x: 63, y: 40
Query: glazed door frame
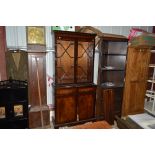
x: 87, y: 51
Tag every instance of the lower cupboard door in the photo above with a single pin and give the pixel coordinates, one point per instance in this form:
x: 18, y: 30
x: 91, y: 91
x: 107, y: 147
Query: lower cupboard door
x: 65, y: 110
x: 86, y: 106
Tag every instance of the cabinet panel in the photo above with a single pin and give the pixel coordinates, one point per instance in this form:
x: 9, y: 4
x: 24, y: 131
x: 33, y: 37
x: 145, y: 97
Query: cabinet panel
x: 35, y: 119
x: 85, y: 106
x: 37, y: 90
x: 36, y: 64
x: 65, y: 109
x: 86, y: 100
x: 118, y: 101
x: 65, y: 91
x: 108, y: 101
x: 86, y: 89
x: 135, y: 81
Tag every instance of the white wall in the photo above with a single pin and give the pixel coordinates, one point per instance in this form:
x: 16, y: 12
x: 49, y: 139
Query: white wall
x: 16, y: 37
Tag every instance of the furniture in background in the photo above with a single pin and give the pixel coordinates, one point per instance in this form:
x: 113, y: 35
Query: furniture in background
x: 39, y: 111
x: 111, y: 72
x: 150, y: 92
x: 126, y: 123
x: 17, y: 64
x: 3, y: 75
x: 39, y: 115
x: 137, y: 67
x: 13, y: 104
x: 75, y: 92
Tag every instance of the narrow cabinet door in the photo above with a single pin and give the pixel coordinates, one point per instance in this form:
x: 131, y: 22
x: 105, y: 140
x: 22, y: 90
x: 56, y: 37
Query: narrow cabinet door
x: 86, y: 103
x: 108, y: 101
x: 65, y: 111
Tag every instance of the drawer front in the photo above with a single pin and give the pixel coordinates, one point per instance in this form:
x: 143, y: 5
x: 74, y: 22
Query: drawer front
x: 86, y: 89
x: 65, y: 91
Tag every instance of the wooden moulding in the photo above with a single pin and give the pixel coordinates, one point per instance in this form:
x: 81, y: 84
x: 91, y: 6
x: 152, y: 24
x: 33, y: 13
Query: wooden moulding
x: 100, y: 34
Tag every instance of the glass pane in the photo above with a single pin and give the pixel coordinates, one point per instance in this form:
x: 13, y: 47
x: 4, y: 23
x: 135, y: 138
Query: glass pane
x: 85, y: 62
x: 2, y: 112
x: 18, y: 110
x: 65, y: 62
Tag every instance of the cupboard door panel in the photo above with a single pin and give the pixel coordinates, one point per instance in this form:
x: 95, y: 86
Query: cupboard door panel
x: 37, y: 88
x: 37, y: 72
x: 118, y: 101
x: 86, y: 103
x: 135, y: 81
x: 65, y: 109
x: 108, y: 101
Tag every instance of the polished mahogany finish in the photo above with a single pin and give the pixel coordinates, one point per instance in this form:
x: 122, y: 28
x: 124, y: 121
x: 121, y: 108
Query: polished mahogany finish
x: 74, y: 89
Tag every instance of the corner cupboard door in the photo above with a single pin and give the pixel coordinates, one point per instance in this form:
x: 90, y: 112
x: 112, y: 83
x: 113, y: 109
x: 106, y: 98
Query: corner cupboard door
x: 65, y: 111
x: 108, y: 101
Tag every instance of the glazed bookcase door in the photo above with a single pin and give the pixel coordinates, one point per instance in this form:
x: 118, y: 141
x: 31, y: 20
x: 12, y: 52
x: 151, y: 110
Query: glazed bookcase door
x: 65, y: 62
x: 85, y: 62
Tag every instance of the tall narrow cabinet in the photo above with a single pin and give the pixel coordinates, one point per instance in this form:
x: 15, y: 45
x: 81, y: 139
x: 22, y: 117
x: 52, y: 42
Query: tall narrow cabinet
x: 112, y: 59
x: 136, y: 80
x: 39, y: 116
x: 74, y: 89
